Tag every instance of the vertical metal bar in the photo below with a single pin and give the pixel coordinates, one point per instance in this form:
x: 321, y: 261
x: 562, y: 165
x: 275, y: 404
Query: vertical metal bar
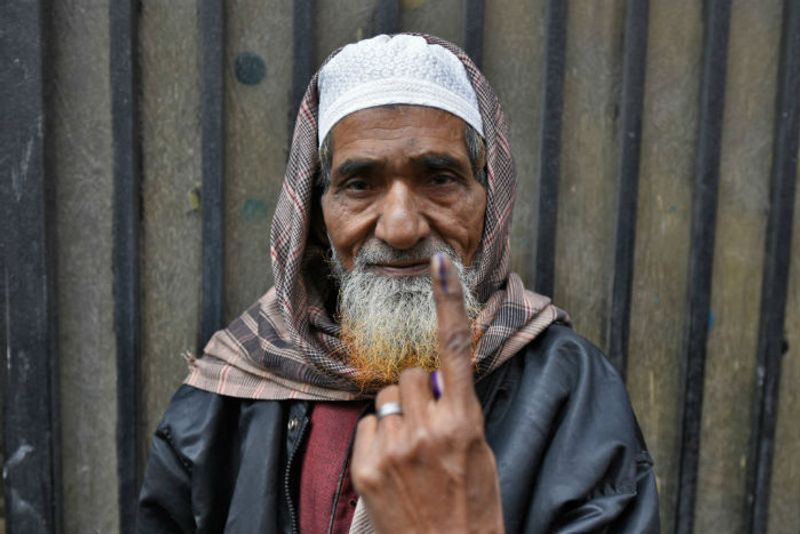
x: 302, y: 54
x: 212, y: 61
x: 550, y: 149
x: 123, y: 21
x: 630, y: 138
x: 474, y: 14
x: 704, y: 214
x: 5, y: 222
x: 387, y: 17
x: 32, y: 470
x: 776, y: 272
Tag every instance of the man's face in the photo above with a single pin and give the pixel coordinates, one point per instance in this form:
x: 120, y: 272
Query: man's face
x: 402, y: 189
x: 401, y: 175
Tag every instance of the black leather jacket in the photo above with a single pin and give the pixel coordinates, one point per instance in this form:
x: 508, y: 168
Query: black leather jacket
x: 569, y: 452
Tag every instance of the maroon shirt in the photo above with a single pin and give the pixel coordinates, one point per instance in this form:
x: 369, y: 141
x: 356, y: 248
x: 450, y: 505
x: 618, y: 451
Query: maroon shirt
x: 326, y: 455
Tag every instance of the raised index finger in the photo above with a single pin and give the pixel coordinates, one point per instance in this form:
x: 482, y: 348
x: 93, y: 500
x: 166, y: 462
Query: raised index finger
x: 455, y: 347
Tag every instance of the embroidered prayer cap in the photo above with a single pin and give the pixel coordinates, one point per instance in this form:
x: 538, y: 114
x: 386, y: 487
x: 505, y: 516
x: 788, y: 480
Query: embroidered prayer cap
x: 399, y: 69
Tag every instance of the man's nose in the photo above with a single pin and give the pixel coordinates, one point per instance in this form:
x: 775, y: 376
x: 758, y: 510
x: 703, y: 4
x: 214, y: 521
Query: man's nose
x: 401, y: 224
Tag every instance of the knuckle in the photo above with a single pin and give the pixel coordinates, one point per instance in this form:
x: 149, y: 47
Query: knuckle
x: 395, y: 456
x: 457, y: 341
x: 454, y: 291
x: 454, y: 298
x: 365, y: 478
x: 458, y: 433
x: 412, y: 375
x: 474, y: 434
x: 447, y: 433
x: 421, y: 440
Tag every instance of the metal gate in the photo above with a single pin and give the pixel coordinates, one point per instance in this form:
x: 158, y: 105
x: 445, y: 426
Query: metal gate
x: 142, y: 147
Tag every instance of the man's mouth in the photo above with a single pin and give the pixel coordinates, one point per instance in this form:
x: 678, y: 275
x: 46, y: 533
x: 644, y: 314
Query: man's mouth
x: 402, y: 268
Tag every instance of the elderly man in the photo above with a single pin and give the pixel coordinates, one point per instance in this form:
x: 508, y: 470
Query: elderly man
x: 398, y: 378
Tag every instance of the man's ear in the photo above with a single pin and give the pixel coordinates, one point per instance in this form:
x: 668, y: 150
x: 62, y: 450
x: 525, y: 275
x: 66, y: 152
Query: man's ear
x: 318, y: 233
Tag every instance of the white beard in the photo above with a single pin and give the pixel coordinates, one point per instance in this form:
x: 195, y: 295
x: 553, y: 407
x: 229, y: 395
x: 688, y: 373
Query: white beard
x: 389, y: 322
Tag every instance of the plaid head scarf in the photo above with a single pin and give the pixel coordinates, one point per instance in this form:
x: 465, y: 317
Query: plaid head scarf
x: 287, y: 344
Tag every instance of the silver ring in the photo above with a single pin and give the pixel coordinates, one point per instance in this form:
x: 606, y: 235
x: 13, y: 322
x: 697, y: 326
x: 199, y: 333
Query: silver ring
x: 390, y: 408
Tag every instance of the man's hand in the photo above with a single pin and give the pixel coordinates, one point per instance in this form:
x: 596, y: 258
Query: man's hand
x: 430, y: 468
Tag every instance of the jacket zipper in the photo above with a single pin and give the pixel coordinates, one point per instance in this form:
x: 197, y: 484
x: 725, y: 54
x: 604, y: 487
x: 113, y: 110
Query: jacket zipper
x: 338, y: 493
x: 340, y: 482
x: 288, y: 475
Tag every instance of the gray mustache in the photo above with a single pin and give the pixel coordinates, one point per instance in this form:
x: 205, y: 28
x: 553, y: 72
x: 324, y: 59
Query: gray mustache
x: 376, y: 251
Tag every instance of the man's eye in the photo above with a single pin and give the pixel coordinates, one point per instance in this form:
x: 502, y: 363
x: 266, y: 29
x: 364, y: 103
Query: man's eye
x: 356, y: 185
x: 442, y: 179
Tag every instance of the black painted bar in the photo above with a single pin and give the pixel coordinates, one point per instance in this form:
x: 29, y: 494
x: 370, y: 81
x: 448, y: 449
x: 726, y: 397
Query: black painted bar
x: 31, y: 429
x: 212, y: 58
x: 127, y: 201
x: 630, y: 139
x: 387, y: 17
x: 704, y: 214
x: 474, y: 15
x: 776, y: 273
x: 302, y: 54
x: 550, y: 149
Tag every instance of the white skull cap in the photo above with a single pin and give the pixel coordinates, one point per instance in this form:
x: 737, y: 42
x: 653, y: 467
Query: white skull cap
x: 399, y: 69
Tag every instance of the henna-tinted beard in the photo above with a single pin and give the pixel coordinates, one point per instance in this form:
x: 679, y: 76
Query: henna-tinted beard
x: 388, y: 323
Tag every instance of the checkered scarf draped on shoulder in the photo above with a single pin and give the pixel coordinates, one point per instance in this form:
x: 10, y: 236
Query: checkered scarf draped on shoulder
x: 287, y: 345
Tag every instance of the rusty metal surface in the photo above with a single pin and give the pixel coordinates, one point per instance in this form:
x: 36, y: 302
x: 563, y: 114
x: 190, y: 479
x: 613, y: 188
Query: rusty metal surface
x: 84, y: 210
x: 662, y: 235
x: 255, y: 145
x: 738, y: 262
x: 171, y: 200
